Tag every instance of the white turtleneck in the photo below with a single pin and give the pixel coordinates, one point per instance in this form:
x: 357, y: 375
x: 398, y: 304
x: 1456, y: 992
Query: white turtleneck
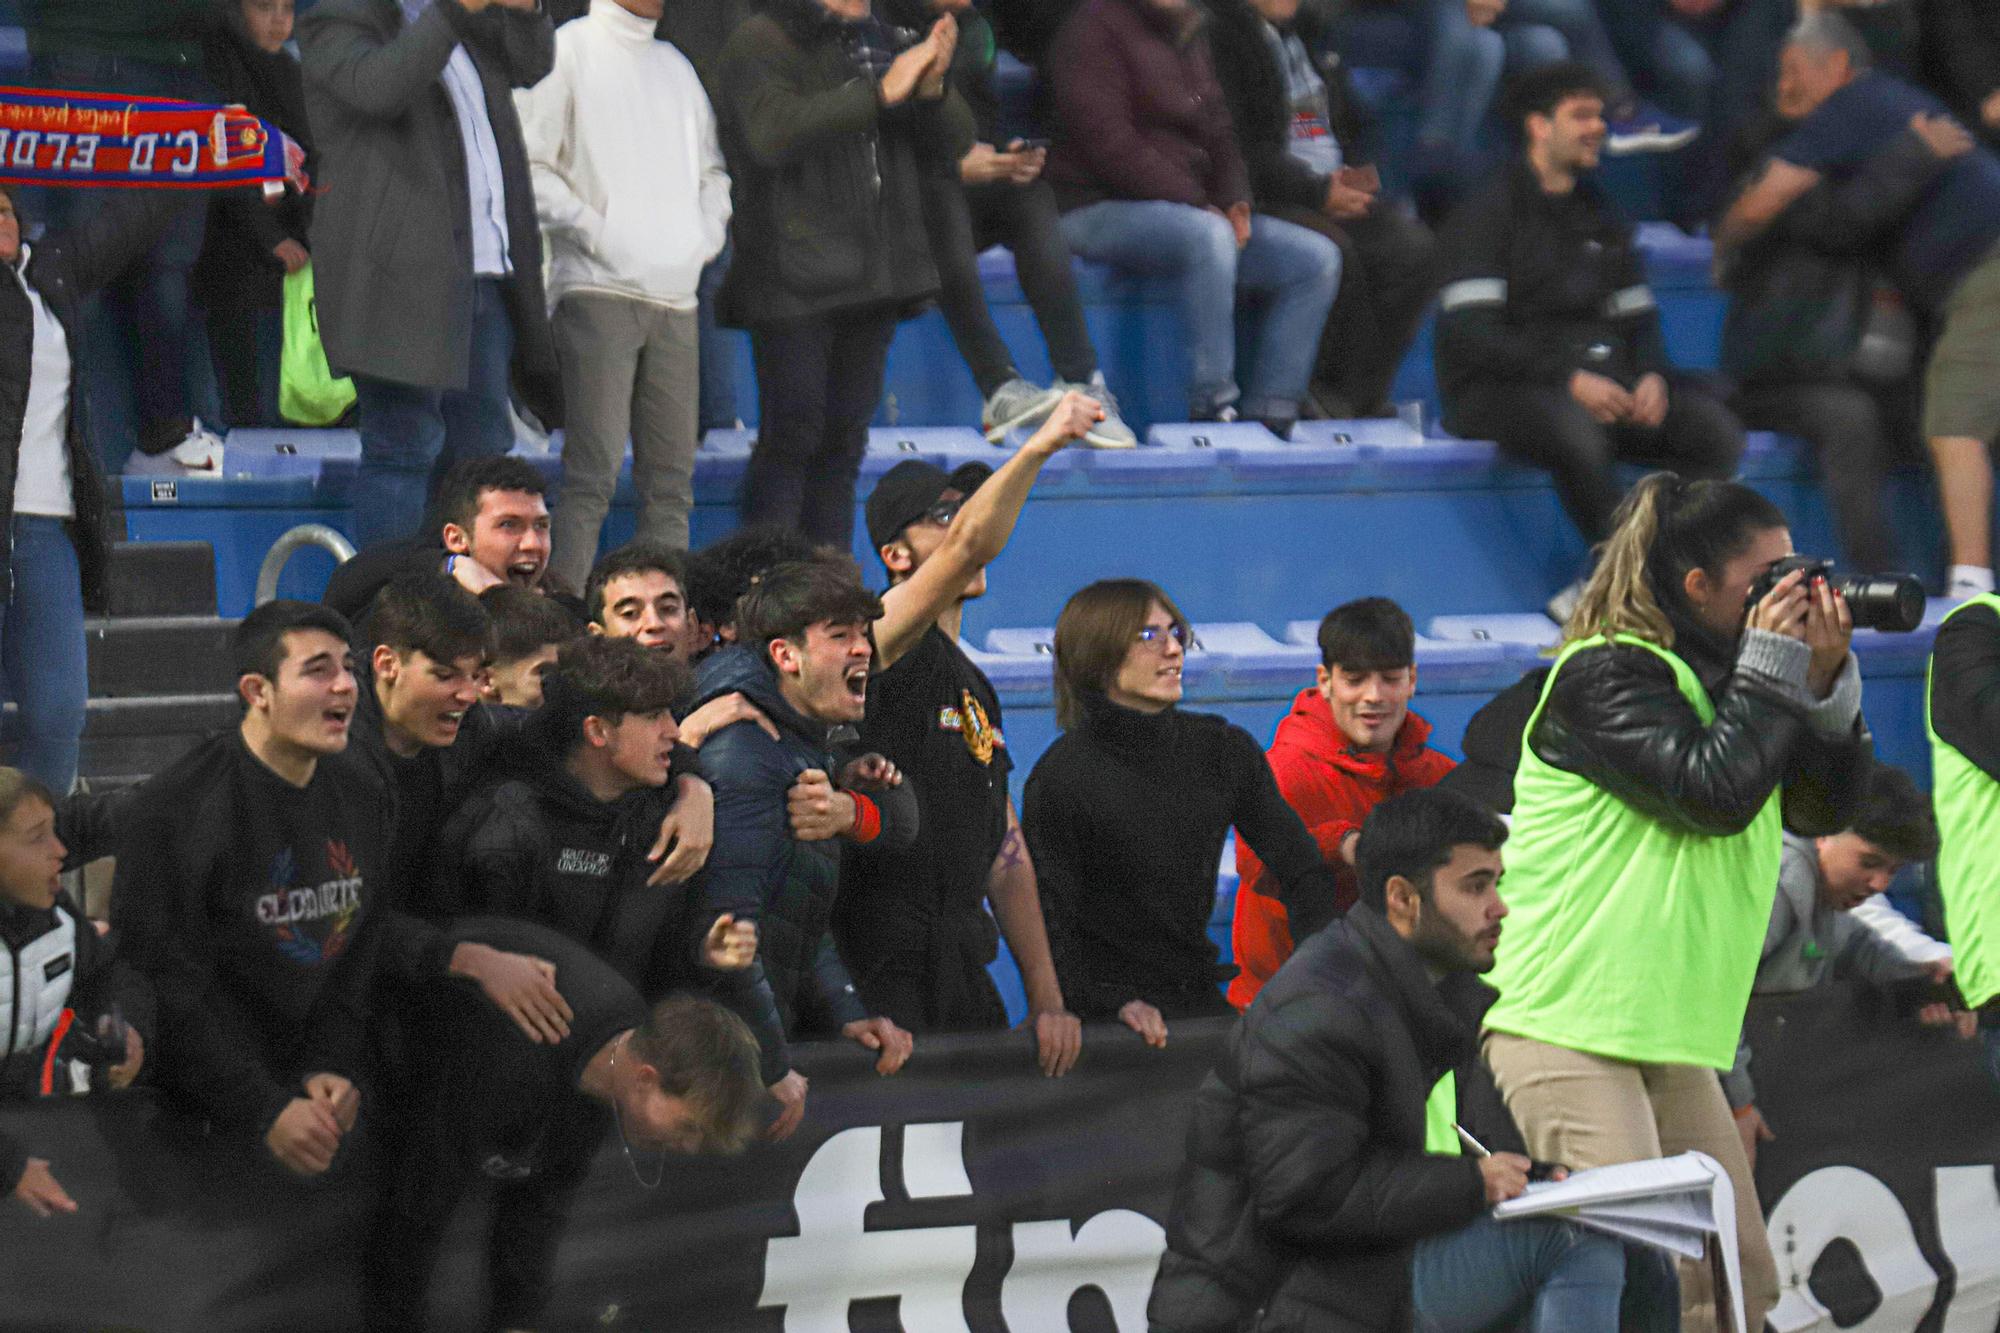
x: 629, y: 180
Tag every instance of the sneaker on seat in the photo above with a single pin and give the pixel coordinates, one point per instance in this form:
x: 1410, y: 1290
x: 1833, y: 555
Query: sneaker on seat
x: 1648, y: 131
x: 1017, y: 403
x: 1112, y: 432
x: 200, y: 453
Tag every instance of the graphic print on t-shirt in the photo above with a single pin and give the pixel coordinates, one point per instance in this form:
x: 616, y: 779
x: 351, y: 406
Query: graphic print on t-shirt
x: 969, y: 719
x: 312, y: 925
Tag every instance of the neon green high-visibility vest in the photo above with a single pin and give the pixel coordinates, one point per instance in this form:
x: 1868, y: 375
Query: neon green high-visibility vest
x: 1967, y: 801
x: 1441, y: 1117
x: 1626, y: 937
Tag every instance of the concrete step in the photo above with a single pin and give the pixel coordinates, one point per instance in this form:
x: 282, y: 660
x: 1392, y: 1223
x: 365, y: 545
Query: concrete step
x: 126, y: 738
x: 135, y: 657
x: 163, y: 578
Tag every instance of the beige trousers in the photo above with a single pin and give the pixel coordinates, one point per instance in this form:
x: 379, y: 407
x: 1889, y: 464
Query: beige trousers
x: 1586, y: 1110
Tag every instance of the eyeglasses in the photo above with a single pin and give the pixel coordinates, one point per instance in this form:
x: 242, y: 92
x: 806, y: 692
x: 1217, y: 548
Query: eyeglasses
x: 943, y: 512
x: 1156, y: 637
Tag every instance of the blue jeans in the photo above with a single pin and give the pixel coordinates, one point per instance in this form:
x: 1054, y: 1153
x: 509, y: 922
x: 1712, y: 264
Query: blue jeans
x: 1540, y: 1275
x: 717, y: 349
x: 1455, y: 63
x: 1543, y: 32
x: 42, y: 652
x: 410, y: 436
x: 1286, y: 279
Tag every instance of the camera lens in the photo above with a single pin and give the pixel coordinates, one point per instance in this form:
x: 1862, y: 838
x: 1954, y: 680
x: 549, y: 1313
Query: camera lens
x: 1893, y: 602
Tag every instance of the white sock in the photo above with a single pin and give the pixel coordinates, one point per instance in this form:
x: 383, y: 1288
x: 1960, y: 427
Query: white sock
x: 1968, y: 580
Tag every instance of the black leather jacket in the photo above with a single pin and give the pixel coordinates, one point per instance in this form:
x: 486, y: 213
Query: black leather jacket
x: 1616, y: 717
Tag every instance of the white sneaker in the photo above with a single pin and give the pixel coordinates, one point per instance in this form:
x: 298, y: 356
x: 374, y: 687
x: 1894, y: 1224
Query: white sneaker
x: 200, y: 454
x: 201, y: 451
x: 1112, y: 432
x: 1016, y: 403
x: 1964, y: 581
x: 1562, y: 606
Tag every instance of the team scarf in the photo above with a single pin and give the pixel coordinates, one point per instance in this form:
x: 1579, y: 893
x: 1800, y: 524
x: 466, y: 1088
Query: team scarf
x: 97, y: 139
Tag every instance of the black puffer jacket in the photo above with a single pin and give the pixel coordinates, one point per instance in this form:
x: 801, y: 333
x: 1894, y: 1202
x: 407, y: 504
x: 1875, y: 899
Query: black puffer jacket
x: 542, y: 848
x: 1307, y: 1183
x: 65, y: 269
x: 825, y: 179
x: 1616, y: 717
x: 758, y: 871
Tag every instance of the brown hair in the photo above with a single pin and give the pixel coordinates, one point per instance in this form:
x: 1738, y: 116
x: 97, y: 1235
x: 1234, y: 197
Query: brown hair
x: 16, y: 787
x: 792, y: 597
x: 1098, y: 626
x: 1664, y: 528
x: 707, y: 1057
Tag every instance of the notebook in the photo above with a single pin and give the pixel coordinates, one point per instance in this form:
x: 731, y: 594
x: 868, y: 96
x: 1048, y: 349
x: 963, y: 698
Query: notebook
x: 1670, y: 1203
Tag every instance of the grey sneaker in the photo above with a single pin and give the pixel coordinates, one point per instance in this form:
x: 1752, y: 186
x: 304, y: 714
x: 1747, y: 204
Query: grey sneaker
x: 1016, y: 403
x: 1112, y: 432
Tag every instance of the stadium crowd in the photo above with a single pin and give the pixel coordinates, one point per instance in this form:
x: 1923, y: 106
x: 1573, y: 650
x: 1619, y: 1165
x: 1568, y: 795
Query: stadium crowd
x: 517, y: 846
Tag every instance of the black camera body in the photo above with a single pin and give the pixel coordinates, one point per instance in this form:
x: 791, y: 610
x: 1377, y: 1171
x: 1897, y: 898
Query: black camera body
x: 1892, y: 602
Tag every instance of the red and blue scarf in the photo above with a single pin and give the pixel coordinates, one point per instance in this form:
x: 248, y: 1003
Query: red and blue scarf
x: 98, y: 139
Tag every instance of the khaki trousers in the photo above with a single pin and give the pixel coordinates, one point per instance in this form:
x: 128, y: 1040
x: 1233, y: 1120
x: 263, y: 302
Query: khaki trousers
x: 1586, y: 1110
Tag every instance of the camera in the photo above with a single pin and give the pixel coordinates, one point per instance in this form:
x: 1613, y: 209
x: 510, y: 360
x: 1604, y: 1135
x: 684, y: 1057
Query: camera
x: 1893, y: 602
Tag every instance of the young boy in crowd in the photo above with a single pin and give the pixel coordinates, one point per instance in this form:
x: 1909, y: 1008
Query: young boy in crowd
x: 527, y: 630
x: 559, y: 843
x: 1830, y: 913
x: 1349, y: 744
x: 803, y: 664
x: 249, y: 888
x: 639, y: 591
x: 679, y: 1076
x: 73, y: 1003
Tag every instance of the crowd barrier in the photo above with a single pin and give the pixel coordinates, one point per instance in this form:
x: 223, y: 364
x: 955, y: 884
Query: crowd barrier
x: 970, y: 1193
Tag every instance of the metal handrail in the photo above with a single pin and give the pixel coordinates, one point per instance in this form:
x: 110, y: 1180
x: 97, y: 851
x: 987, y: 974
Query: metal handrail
x: 282, y: 550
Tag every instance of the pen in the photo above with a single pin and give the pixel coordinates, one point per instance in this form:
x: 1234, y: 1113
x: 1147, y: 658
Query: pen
x: 1478, y: 1148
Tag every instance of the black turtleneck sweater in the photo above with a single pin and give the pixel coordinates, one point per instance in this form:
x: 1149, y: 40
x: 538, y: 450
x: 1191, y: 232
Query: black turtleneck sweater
x: 1125, y: 817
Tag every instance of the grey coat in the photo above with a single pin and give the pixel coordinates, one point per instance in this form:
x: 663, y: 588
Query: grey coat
x: 391, y: 236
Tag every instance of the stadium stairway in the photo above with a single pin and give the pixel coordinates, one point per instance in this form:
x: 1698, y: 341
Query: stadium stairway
x: 159, y: 663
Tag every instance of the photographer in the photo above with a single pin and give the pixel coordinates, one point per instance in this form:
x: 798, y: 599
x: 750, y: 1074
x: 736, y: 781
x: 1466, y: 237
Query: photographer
x: 1646, y: 837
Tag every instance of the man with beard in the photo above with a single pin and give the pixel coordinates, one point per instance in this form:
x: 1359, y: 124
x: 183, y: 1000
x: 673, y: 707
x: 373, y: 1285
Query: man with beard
x: 911, y: 921
x: 1329, y: 1133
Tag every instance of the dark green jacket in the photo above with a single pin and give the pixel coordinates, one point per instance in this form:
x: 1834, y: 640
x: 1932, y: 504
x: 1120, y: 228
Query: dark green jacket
x: 827, y: 215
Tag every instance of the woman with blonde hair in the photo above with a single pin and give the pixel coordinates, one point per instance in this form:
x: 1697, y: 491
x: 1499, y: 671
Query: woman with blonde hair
x: 1126, y: 814
x: 1689, y: 714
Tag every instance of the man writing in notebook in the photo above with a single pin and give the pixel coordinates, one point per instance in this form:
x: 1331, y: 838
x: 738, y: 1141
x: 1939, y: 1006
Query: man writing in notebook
x: 1328, y: 1180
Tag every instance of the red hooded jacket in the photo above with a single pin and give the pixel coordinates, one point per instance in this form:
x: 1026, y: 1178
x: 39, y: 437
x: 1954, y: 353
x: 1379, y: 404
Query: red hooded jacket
x: 1333, y: 788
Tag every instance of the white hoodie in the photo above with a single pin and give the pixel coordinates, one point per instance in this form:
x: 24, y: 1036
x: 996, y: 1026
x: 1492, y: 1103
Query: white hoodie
x: 629, y: 182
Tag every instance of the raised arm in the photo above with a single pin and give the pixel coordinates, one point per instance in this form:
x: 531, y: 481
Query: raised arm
x: 346, y: 59
x: 978, y: 535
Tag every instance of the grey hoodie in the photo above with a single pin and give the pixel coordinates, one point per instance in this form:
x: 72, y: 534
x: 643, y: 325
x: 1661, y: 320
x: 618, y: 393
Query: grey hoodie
x: 1806, y: 938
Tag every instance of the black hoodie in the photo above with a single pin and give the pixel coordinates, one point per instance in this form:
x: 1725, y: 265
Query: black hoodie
x: 542, y: 848
x: 758, y: 871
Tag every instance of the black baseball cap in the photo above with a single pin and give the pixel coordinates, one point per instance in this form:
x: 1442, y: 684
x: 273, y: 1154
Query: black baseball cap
x: 911, y: 487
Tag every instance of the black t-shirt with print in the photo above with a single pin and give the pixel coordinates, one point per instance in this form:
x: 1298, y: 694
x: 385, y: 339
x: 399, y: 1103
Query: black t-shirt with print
x: 250, y: 905
x: 935, y: 714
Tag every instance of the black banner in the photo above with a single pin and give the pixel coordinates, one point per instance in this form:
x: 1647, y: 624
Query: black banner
x: 970, y: 1193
